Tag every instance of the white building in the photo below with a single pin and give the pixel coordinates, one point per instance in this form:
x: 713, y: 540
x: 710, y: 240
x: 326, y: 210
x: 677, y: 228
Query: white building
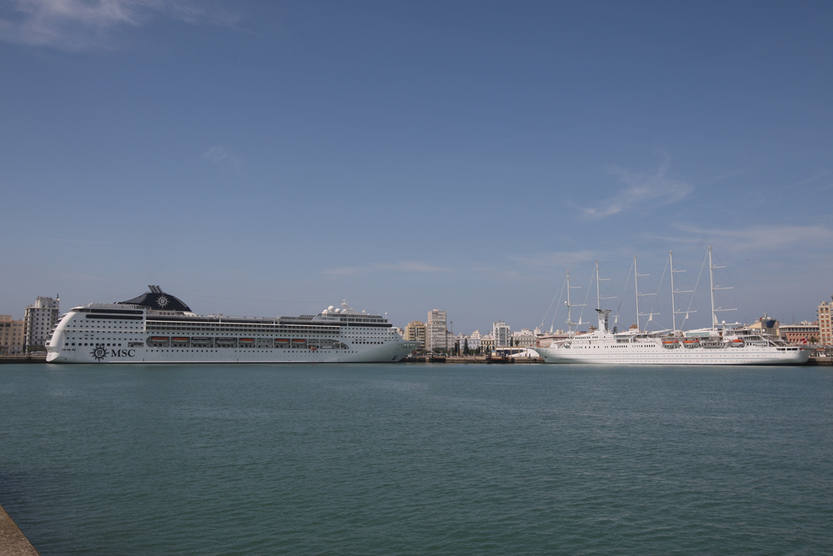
x: 38, y: 321
x: 502, y: 334
x: 474, y: 340
x: 524, y: 338
x: 436, y: 331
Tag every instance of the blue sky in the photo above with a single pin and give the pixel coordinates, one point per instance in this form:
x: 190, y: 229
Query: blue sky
x: 267, y: 158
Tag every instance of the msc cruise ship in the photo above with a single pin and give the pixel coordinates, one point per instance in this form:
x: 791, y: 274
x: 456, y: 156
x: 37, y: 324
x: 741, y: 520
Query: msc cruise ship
x: 157, y: 327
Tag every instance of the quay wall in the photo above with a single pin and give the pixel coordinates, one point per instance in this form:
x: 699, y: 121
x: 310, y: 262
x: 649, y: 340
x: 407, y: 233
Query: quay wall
x: 12, y: 540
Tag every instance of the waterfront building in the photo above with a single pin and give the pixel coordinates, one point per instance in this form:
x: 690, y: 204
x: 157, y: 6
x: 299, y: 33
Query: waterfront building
x: 450, y: 342
x: 502, y: 334
x: 523, y: 338
x: 38, y: 321
x: 825, y: 311
x: 765, y: 325
x: 436, y: 331
x: 11, y: 335
x: 474, y: 340
x: 487, y: 342
x: 415, y: 332
x: 800, y: 333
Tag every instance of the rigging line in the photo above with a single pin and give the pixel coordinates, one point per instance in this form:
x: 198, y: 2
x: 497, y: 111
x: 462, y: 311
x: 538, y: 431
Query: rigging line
x: 624, y: 288
x: 655, y: 299
x: 544, y: 316
x: 586, y: 295
x: 697, y: 283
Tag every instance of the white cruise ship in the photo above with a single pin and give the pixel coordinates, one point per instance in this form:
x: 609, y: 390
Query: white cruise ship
x: 602, y: 347
x: 157, y: 327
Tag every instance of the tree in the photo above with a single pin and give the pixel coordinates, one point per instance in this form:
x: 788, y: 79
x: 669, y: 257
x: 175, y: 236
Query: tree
x: 466, y: 350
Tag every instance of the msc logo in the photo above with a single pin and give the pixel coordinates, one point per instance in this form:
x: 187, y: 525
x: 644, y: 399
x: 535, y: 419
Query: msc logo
x: 99, y: 353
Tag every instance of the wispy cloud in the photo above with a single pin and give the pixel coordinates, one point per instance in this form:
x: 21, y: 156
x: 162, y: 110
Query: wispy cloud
x: 86, y: 24
x: 820, y: 175
x: 756, y: 238
x: 557, y: 258
x: 403, y: 266
x: 656, y: 188
x: 221, y: 156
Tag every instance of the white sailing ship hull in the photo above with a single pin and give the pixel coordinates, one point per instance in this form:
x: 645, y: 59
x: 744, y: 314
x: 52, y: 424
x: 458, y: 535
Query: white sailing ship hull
x: 647, y: 354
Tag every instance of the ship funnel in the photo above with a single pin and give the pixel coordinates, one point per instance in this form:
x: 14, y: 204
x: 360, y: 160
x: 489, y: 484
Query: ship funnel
x: 604, y: 317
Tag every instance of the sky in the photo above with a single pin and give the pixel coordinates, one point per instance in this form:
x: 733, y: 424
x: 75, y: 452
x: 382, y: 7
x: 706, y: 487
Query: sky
x: 265, y: 158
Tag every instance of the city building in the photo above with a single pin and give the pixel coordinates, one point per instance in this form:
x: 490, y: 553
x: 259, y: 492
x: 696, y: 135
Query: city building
x: 415, y: 332
x: 451, y: 342
x: 487, y: 342
x: 502, y: 334
x: 436, y: 331
x: 825, y: 330
x: 474, y: 340
x: 38, y: 321
x: 765, y: 325
x: 523, y: 338
x: 11, y: 335
x: 800, y: 333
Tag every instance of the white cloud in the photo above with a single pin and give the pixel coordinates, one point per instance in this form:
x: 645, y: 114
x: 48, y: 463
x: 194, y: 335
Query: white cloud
x: 85, y: 24
x: 656, y: 188
x: 403, y: 266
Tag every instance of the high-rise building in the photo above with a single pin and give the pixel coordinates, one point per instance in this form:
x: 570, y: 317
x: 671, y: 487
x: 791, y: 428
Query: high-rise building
x: 415, y: 332
x: 11, y: 335
x: 825, y: 312
x: 436, y: 328
x: 502, y: 334
x: 38, y: 321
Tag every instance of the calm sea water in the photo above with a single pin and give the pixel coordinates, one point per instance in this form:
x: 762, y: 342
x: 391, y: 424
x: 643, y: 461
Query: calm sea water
x: 414, y: 459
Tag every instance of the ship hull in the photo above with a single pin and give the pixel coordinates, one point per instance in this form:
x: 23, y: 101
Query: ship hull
x: 678, y: 356
x: 380, y: 354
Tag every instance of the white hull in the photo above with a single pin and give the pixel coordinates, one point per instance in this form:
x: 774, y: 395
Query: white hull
x: 159, y: 328
x: 648, y: 354
x: 385, y: 353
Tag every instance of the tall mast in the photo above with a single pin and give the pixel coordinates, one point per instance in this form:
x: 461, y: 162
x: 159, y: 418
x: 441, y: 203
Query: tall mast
x: 598, y: 295
x: 570, y: 304
x: 636, y: 276
x: 636, y: 290
x: 673, y: 309
x: 711, y: 288
x: 714, y: 288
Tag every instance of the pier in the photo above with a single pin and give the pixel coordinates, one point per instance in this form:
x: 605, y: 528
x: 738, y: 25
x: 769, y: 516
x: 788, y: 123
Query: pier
x: 12, y: 540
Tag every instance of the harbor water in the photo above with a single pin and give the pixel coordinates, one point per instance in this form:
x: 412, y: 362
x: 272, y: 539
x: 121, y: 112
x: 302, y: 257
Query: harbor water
x: 417, y: 459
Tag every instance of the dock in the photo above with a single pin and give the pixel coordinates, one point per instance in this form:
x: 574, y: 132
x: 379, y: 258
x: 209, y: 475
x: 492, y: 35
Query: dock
x: 12, y: 540
x: 39, y: 357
